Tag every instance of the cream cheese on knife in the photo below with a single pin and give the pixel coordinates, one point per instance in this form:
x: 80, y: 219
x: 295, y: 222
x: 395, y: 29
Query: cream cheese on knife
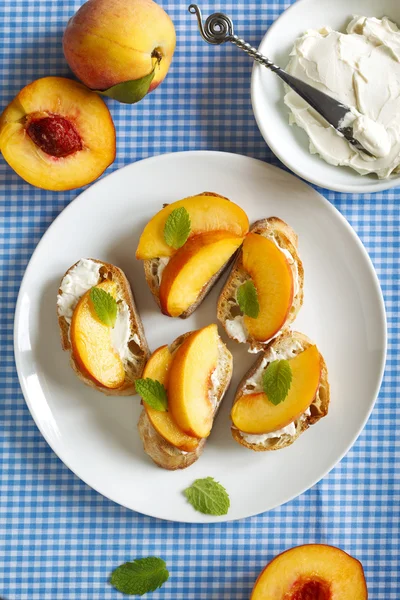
x: 361, y: 68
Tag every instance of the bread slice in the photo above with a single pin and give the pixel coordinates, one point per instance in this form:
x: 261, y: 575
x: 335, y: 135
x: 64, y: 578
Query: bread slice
x: 228, y: 309
x: 288, y: 344
x: 151, y: 267
x: 164, y: 454
x: 139, y: 350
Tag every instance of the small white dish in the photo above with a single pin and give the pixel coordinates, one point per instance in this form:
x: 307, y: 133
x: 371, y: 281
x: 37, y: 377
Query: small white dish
x: 290, y: 143
x: 96, y: 436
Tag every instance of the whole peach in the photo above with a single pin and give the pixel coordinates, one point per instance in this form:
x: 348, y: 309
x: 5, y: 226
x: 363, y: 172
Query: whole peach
x: 108, y: 42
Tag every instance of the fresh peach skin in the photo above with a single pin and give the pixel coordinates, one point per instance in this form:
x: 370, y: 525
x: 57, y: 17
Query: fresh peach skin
x: 189, y: 382
x: 193, y: 265
x: 157, y: 368
x: 312, y: 572
x: 111, y: 41
x: 255, y: 414
x: 91, y: 343
x: 57, y: 135
x: 207, y: 213
x: 273, y: 279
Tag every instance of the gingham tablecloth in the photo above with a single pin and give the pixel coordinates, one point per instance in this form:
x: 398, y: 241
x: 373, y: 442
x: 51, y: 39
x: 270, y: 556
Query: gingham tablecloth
x: 59, y: 539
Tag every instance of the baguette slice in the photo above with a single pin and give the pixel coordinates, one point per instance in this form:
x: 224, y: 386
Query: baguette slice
x: 138, y: 347
x: 151, y: 270
x: 228, y: 308
x: 288, y: 344
x: 164, y: 454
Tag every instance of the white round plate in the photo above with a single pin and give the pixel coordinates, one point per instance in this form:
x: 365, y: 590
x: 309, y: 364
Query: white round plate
x: 290, y: 144
x: 96, y: 436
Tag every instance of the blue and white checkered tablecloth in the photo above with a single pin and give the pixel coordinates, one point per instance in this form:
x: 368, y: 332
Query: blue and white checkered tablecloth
x: 59, y: 539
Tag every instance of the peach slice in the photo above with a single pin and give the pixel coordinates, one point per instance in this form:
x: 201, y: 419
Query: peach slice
x: 91, y: 343
x: 189, y: 382
x: 312, y: 572
x: 57, y: 135
x: 273, y: 279
x: 158, y: 368
x: 207, y: 213
x: 193, y: 265
x: 255, y: 414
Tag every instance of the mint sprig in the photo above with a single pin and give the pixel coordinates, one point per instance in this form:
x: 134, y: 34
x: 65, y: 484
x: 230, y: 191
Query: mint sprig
x: 208, y: 497
x: 153, y: 393
x: 140, y: 576
x: 105, y: 306
x: 177, y: 227
x: 277, y: 379
x: 247, y: 299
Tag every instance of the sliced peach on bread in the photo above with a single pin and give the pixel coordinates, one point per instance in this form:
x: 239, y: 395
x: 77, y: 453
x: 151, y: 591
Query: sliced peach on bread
x: 268, y: 265
x: 101, y: 328
x: 273, y: 279
x: 207, y: 212
x: 190, y: 382
x: 255, y: 413
x: 91, y: 342
x: 192, y: 267
x: 186, y: 247
x: 158, y: 368
x: 195, y: 372
x: 312, y: 572
x: 285, y: 392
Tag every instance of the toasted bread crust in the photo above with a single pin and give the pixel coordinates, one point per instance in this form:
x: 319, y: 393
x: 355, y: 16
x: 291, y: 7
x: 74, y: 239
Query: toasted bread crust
x: 109, y: 271
x: 164, y: 454
x: 319, y: 406
x: 287, y: 239
x: 150, y: 270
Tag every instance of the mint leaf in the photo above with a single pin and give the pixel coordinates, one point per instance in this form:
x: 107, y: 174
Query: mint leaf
x: 177, y: 227
x: 208, y: 497
x: 105, y: 306
x: 248, y: 299
x: 140, y: 576
x: 277, y: 379
x: 153, y: 393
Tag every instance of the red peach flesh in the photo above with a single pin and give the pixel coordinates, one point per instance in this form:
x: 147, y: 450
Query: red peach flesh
x: 310, y: 589
x: 55, y: 135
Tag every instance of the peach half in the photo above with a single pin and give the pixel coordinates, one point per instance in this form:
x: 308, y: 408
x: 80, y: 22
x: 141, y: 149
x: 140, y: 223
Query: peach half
x: 57, y: 135
x: 157, y: 368
x: 312, y: 572
x: 91, y: 343
x: 207, y: 213
x: 273, y: 279
x: 255, y: 414
x: 192, y: 267
x: 190, y: 381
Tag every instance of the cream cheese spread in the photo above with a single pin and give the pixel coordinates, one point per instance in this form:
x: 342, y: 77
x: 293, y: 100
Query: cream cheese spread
x: 162, y: 263
x: 77, y: 282
x: 361, y: 68
x: 288, y: 430
x: 215, y: 381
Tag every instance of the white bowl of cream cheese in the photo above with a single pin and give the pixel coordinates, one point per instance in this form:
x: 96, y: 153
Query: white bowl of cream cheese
x: 357, y: 60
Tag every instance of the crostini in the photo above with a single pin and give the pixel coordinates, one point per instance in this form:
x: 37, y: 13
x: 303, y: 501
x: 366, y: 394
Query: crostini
x: 191, y: 377
x: 264, y: 290
x: 186, y: 247
x: 101, y: 328
x: 285, y: 392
